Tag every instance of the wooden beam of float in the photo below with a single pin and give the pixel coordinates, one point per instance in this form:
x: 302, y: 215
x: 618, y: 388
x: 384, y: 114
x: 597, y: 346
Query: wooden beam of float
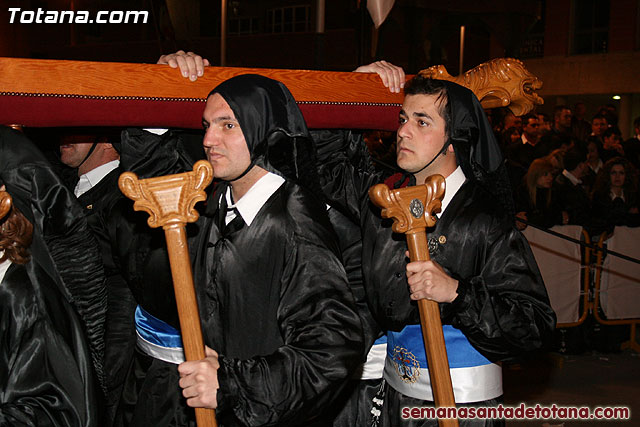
x: 40, y: 93
x: 170, y: 202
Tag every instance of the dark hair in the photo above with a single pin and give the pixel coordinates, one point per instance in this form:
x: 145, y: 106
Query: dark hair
x: 600, y: 116
x: 537, y: 168
x: 544, y: 116
x: 101, y: 135
x: 610, y: 131
x: 420, y: 85
x: 636, y: 122
x: 16, y: 233
x: 603, y: 179
x: 559, y: 109
x: 574, y: 157
x: 527, y: 117
x: 597, y: 143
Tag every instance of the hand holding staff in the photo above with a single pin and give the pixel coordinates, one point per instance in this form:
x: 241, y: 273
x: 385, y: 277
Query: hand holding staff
x: 170, y: 202
x: 412, y: 210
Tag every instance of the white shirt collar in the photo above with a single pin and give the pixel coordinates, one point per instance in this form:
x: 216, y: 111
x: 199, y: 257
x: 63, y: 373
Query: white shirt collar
x: 4, y: 266
x: 253, y: 200
x: 571, y: 177
x: 598, y: 166
x: 93, y: 177
x: 525, y: 140
x: 453, y: 184
x: 613, y: 196
x: 156, y: 131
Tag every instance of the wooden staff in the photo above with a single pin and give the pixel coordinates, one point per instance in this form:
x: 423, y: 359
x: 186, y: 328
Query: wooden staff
x: 170, y: 202
x: 412, y: 211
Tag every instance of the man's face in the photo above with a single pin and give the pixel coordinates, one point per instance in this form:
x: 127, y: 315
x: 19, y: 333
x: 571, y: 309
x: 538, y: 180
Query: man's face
x: 581, y: 169
x: 531, y: 129
x: 544, y: 126
x: 598, y: 126
x: 74, y: 149
x: 513, y: 121
x: 421, y: 135
x: 564, y: 118
x: 611, y: 141
x: 224, y: 142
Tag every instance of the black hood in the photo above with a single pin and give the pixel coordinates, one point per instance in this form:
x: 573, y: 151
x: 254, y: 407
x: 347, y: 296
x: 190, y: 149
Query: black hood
x: 63, y: 244
x: 273, y: 127
x: 470, y: 131
x: 477, y: 150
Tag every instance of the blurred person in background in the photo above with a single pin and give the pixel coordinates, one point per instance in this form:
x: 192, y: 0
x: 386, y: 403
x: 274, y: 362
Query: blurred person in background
x: 594, y: 164
x: 572, y: 196
x: 615, y: 196
x: 611, y: 145
x: 535, y: 199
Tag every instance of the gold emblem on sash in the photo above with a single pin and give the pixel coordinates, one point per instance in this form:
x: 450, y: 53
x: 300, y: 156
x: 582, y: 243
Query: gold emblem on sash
x: 407, y: 366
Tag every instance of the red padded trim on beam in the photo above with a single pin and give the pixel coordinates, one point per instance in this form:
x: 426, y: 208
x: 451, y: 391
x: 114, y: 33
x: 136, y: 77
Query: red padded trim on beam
x: 50, y: 111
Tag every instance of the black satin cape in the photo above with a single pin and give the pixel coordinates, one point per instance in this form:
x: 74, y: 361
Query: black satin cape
x: 57, y: 301
x: 120, y: 336
x: 274, y: 302
x: 502, y: 305
x: 151, y: 395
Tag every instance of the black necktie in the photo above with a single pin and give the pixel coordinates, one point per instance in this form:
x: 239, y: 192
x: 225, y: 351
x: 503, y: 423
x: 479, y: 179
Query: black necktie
x: 234, y: 225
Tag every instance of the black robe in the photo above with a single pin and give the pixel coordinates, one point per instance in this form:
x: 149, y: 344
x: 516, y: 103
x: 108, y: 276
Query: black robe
x: 275, y: 307
x: 275, y: 304
x: 46, y: 376
x: 120, y: 338
x: 150, y: 395
x: 609, y: 213
x: 502, y: 306
x: 53, y: 307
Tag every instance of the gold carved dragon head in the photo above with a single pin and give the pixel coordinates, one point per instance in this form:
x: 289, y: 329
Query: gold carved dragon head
x: 500, y: 82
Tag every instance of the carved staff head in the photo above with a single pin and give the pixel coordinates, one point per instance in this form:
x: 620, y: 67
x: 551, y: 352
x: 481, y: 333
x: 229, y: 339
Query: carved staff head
x: 169, y: 199
x: 412, y: 208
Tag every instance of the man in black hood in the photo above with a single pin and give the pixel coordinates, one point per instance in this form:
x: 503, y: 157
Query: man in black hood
x: 482, y: 273
x: 278, y: 319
